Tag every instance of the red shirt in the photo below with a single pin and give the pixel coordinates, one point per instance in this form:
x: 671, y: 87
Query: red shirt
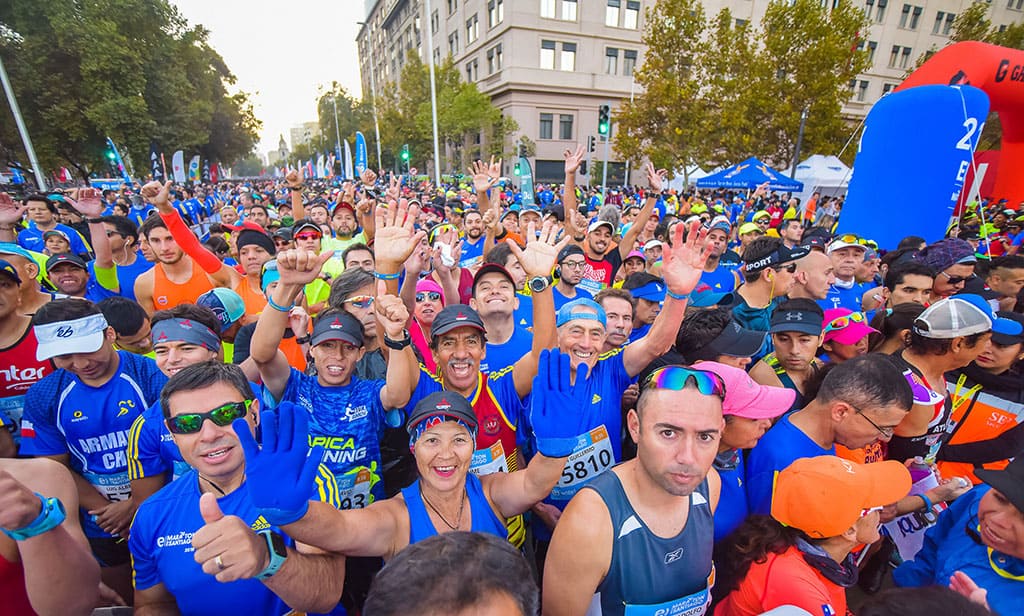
x: 19, y: 370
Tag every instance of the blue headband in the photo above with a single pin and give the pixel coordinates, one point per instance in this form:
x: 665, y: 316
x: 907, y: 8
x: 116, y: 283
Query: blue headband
x: 435, y: 420
x: 569, y: 312
x: 185, y: 330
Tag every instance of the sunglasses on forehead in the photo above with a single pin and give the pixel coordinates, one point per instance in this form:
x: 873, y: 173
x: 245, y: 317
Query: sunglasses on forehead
x: 844, y: 321
x: 223, y: 415
x: 360, y: 301
x: 676, y: 378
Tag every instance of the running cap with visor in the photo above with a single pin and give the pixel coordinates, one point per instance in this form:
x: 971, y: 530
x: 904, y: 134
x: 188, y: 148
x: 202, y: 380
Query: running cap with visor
x: 454, y: 317
x: 737, y: 341
x: 337, y: 326
x: 225, y: 303
x: 82, y: 335
x: 800, y: 321
x: 780, y: 256
x: 581, y: 308
x: 443, y: 404
x: 965, y: 314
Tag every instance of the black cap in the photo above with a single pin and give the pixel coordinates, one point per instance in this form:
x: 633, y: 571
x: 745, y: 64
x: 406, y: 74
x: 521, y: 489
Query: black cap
x: 737, y: 341
x: 1009, y: 481
x: 337, y: 326
x: 453, y: 317
x: 488, y: 268
x: 303, y: 224
x: 1007, y: 339
x: 65, y: 257
x: 446, y: 403
x: 802, y: 321
x: 568, y: 251
x: 284, y: 233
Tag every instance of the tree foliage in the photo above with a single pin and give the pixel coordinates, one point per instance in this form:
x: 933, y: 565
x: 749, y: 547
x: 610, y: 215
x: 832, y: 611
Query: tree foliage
x: 131, y: 70
x: 717, y: 90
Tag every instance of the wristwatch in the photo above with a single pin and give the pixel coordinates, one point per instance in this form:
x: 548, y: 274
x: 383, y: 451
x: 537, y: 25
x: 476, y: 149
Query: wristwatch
x: 278, y: 553
x: 538, y: 284
x: 398, y: 345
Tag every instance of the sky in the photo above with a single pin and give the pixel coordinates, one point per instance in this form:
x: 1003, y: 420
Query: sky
x: 281, y: 52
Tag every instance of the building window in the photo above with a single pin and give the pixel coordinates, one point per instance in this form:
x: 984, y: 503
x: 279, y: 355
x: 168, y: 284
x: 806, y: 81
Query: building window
x: 611, y: 13
x: 547, y: 8
x: 472, y: 72
x: 452, y: 6
x: 568, y: 62
x: 494, y: 59
x: 631, y: 19
x: 944, y: 21
x: 569, y: 10
x: 862, y: 92
x: 453, y: 43
x: 611, y: 61
x: 433, y: 23
x: 547, y: 121
x: 565, y: 127
x: 740, y: 23
x: 910, y: 16
x: 871, y: 46
x: 628, y: 62
x: 1015, y: 5
x: 900, y: 57
x: 888, y: 87
x: 879, y: 9
x: 472, y: 29
x: 547, y: 54
x: 437, y: 56
x: 495, y: 12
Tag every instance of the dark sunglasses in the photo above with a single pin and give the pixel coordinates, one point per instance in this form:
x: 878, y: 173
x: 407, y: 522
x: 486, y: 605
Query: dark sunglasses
x: 955, y: 280
x: 433, y: 296
x: 676, y: 378
x: 223, y: 415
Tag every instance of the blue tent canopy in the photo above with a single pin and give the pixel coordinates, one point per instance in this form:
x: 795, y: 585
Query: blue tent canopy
x: 750, y: 174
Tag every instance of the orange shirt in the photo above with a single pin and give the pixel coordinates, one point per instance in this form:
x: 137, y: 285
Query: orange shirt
x: 784, y: 579
x: 253, y: 299
x: 168, y: 294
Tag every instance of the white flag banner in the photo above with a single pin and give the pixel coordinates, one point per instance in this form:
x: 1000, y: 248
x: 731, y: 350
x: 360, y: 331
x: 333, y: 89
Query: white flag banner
x: 178, y: 164
x: 347, y: 171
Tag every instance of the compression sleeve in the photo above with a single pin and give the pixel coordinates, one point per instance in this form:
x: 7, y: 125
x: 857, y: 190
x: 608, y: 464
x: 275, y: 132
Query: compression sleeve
x: 107, y: 277
x: 189, y: 243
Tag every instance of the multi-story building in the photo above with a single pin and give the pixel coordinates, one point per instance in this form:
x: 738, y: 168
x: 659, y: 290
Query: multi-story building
x: 303, y: 133
x: 550, y: 64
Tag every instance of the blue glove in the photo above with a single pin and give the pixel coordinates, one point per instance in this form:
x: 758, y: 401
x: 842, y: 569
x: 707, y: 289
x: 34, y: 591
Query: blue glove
x: 558, y: 409
x: 281, y: 474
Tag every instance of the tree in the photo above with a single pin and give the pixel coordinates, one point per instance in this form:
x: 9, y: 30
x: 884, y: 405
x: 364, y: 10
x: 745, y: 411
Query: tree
x: 131, y: 70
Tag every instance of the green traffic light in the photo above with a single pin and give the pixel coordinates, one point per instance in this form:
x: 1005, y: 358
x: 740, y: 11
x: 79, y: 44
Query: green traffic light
x: 111, y: 155
x: 602, y: 128
x: 517, y: 170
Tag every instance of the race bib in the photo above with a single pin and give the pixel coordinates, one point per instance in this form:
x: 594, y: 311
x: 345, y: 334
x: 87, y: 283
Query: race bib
x: 592, y: 456
x: 354, y: 489
x: 691, y: 605
x: 489, y: 460
x: 115, y: 487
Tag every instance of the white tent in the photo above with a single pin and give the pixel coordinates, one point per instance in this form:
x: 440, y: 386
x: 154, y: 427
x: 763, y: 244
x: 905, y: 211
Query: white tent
x: 693, y: 173
x: 823, y: 174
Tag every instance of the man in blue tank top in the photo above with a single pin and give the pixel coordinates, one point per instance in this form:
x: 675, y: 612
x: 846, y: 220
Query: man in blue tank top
x: 638, y: 539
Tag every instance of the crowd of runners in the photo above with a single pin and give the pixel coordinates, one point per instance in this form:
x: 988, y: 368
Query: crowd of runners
x: 381, y: 396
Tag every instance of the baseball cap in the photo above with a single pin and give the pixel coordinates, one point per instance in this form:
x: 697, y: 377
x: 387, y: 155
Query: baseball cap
x: 225, y: 303
x: 453, y: 317
x: 448, y: 404
x: 747, y: 399
x: 303, y: 224
x: 597, y: 224
x: 568, y: 312
x: 997, y: 337
x: 10, y: 271
x: 653, y: 244
x: 635, y: 254
x: 1008, y: 481
x: 704, y: 296
x: 750, y: 227
x: 82, y: 335
x: 653, y: 291
x: 761, y: 214
x: 800, y: 321
x: 815, y: 242
x: 284, y: 233
x: 782, y: 254
x: 56, y: 232
x: 737, y: 341
x: 65, y: 257
x: 845, y: 241
x: 244, y: 225
x: 568, y: 251
x: 488, y: 268
x: 825, y: 495
x: 845, y: 326
x: 9, y: 248
x: 962, y: 315
x: 337, y: 326
x: 721, y: 223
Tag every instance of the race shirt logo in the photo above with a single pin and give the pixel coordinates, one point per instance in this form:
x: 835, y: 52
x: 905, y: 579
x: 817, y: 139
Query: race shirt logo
x: 357, y: 413
x: 339, y: 449
x: 112, y: 445
x: 180, y: 538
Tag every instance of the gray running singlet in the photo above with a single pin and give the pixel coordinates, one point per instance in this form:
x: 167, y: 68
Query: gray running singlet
x: 649, y: 575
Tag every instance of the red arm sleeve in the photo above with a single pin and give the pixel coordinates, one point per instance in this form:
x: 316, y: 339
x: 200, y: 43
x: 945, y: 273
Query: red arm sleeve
x: 189, y: 243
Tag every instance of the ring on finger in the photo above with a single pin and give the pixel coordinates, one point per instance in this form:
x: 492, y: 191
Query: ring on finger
x: 217, y: 561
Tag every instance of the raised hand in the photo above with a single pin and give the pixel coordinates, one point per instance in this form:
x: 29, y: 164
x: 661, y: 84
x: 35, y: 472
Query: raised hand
x: 392, y: 313
x: 485, y: 175
x: 368, y: 177
x: 300, y: 267
x: 280, y: 475
x: 683, y: 261
x: 558, y: 407
x: 573, y: 159
x: 962, y: 584
x: 541, y: 252
x: 395, y: 236
x: 293, y: 178
x: 10, y: 212
x: 655, y: 178
x: 158, y: 195
x: 89, y: 203
x: 491, y: 220
x: 298, y: 320
x: 226, y: 547
x: 394, y: 191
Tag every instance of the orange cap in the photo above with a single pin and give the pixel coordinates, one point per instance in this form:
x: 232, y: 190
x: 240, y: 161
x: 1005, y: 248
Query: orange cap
x: 826, y: 495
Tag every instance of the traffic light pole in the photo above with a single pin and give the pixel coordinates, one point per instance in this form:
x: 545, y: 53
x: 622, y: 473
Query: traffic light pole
x: 40, y: 179
x: 604, y: 168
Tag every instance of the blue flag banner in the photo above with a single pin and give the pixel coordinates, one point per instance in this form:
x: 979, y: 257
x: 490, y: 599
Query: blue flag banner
x: 526, y: 181
x: 360, y: 162
x: 921, y: 170
x: 120, y: 162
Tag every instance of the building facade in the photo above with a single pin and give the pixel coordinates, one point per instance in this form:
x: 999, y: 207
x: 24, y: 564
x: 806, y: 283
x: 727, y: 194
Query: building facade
x: 550, y: 64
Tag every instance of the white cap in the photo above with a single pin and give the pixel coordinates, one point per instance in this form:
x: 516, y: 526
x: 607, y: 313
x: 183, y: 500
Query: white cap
x: 652, y: 244
x: 84, y: 335
x: 597, y: 224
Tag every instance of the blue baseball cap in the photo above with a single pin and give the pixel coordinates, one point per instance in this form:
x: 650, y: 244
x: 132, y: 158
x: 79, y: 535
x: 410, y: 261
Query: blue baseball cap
x: 10, y: 271
x: 9, y: 248
x: 571, y: 311
x: 653, y: 291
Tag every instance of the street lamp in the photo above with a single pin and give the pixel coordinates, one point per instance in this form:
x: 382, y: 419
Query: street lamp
x: 373, y: 93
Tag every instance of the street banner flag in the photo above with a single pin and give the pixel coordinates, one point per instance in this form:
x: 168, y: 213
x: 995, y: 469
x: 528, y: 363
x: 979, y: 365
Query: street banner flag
x: 193, y: 169
x: 120, y: 162
x: 330, y: 164
x: 155, y: 166
x: 309, y: 168
x: 178, y: 164
x: 526, y: 179
x: 206, y: 172
x: 347, y: 166
x: 321, y: 170
x: 214, y: 173
x: 360, y: 163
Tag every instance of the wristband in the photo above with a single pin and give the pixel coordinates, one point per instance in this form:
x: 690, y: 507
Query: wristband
x: 51, y: 515
x: 928, y: 505
x: 296, y: 188
x: 380, y: 276
x: 278, y: 307
x: 93, y: 221
x: 676, y: 296
x: 302, y: 340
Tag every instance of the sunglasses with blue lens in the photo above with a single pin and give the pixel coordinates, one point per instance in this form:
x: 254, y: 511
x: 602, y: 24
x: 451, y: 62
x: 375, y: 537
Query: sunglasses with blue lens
x: 676, y: 378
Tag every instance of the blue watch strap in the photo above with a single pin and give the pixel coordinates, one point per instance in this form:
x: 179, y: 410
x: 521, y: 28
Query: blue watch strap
x: 277, y: 550
x: 51, y: 515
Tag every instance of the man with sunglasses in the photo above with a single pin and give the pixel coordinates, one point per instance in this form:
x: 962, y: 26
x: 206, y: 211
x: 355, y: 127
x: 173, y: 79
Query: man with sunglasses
x: 859, y: 402
x: 199, y: 545
x: 847, y: 254
x: 601, y: 543
x: 80, y: 416
x: 769, y: 273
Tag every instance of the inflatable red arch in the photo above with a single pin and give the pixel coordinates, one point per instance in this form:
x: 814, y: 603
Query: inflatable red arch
x: 999, y: 71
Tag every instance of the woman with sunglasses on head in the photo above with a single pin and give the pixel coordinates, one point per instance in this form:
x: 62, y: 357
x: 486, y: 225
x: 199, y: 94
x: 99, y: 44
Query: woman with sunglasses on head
x: 845, y: 335
x: 429, y: 300
x: 822, y: 509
